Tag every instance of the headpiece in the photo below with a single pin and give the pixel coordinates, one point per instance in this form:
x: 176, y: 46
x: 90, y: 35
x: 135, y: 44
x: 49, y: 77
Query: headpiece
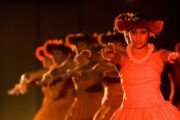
x: 40, y: 53
x: 104, y: 38
x: 80, y: 37
x: 128, y: 21
x: 51, y: 45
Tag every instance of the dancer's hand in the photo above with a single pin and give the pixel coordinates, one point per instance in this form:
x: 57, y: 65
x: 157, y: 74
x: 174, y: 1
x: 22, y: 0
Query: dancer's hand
x: 172, y: 57
x: 18, y: 89
x: 47, y: 79
x: 21, y: 87
x: 109, y: 52
x: 83, y: 57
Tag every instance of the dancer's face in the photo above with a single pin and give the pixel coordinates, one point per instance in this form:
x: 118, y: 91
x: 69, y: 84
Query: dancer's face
x: 139, y: 37
x: 47, y: 62
x: 81, y: 46
x: 58, y: 56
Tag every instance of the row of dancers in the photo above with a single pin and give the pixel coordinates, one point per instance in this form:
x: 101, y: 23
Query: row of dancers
x: 75, y: 80
x: 81, y: 76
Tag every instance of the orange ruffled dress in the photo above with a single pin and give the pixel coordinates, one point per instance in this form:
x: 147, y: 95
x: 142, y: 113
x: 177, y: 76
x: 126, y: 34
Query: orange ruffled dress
x: 143, y: 99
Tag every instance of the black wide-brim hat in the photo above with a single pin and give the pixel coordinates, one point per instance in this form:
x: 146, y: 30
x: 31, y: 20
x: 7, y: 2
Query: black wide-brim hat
x: 55, y: 44
x: 128, y: 21
x: 105, y: 38
x: 80, y: 37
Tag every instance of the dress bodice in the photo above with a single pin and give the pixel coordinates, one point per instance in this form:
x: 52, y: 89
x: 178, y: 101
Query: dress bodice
x: 141, y: 82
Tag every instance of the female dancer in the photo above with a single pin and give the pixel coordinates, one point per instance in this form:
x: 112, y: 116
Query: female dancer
x: 141, y: 67
x: 111, y: 81
x: 88, y: 85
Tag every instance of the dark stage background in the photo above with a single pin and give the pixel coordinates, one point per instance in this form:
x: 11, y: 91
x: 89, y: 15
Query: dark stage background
x: 26, y: 25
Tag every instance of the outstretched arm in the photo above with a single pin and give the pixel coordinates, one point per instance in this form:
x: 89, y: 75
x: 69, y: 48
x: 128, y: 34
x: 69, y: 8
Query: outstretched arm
x: 25, y: 80
x: 113, y: 53
x: 168, y: 56
x: 64, y: 71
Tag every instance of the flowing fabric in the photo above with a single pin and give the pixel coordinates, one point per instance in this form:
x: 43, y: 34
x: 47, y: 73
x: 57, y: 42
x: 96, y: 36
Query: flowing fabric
x: 55, y: 107
x: 111, y: 101
x: 86, y: 105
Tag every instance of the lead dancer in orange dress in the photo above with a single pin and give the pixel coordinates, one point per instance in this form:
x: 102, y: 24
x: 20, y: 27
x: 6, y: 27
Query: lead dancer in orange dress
x: 141, y: 67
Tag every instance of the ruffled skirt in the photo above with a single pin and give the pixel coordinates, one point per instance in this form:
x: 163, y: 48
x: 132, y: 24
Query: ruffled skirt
x: 164, y: 111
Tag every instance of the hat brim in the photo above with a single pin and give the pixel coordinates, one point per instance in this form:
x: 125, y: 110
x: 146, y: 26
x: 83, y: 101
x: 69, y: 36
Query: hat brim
x: 154, y: 26
x: 73, y: 39
x: 51, y: 45
x: 40, y: 53
x: 105, y: 39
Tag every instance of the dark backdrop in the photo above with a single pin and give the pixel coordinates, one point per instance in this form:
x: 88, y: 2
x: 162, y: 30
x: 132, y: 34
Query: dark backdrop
x: 26, y: 25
